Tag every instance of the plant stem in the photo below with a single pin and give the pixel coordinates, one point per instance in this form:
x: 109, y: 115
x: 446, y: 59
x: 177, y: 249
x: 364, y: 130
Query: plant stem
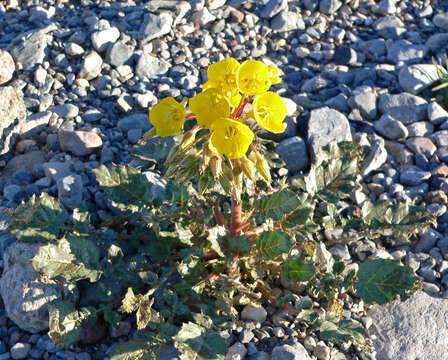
x: 236, y: 222
x: 219, y: 217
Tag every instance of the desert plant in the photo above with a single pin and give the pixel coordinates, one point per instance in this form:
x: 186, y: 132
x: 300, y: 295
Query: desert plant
x: 442, y: 74
x: 221, y: 232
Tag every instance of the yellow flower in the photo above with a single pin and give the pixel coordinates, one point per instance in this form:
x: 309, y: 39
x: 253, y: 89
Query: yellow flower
x: 270, y: 111
x: 253, y: 77
x: 208, y: 106
x: 231, y: 138
x: 168, y: 116
x: 273, y: 75
x: 222, y: 74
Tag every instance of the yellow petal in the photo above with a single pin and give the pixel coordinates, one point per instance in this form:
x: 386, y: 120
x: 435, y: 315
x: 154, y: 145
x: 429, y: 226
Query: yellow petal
x: 273, y: 75
x: 168, y: 117
x: 231, y: 138
x: 253, y: 77
x: 208, y: 106
x: 222, y: 74
x: 270, y: 111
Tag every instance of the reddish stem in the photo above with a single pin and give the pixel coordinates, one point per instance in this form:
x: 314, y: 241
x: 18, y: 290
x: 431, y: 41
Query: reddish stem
x: 219, y: 217
x: 236, y: 222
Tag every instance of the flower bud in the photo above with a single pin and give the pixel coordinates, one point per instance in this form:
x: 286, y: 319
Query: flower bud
x: 248, y: 168
x: 263, y: 168
x: 188, y: 139
x: 172, y: 154
x: 216, y: 166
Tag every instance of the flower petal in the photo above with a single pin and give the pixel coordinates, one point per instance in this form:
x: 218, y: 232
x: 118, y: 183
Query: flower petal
x: 168, y: 117
x: 231, y: 138
x: 270, y: 111
x: 253, y: 77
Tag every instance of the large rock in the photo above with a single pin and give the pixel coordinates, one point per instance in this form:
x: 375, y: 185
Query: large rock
x: 405, y: 107
x: 32, y: 50
x: 27, y: 161
x: 149, y: 66
x: 79, y: 143
x: 7, y: 67
x: 414, y: 329
x: 294, y: 153
x: 91, y: 66
x: 403, y: 51
x: 12, y: 117
x: 155, y: 26
x: 290, y: 352
x: 415, y: 78
x: 326, y: 125
x: 25, y: 293
x: 364, y: 99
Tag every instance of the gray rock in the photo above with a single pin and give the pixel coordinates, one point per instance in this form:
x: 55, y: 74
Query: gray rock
x: 32, y: 50
x: 20, y: 350
x: 104, y: 38
x: 25, y: 293
x: 134, y: 121
x: 413, y: 175
x: 67, y: 111
x: 236, y: 352
x: 254, y: 313
x: 441, y: 20
x: 386, y: 7
x: 294, y: 152
x: 273, y: 7
x: 287, y: 21
x: 118, y: 54
x: 26, y: 161
x: 364, y: 99
x: 70, y: 190
x: 14, y: 193
x: 376, y: 47
x: 12, y: 117
x: 416, y: 328
x: 420, y: 128
x: 427, y: 241
x: 79, y: 143
x: 437, y: 114
x: 289, y: 352
x: 437, y: 41
x: 74, y: 49
x: 375, y: 159
x: 405, y: 107
x: 326, y: 125
x: 149, y: 66
x: 404, y: 52
x: 390, y: 128
x: 340, y: 250
x: 345, y: 55
x: 415, y: 78
x: 35, y: 123
x: 155, y: 26
x: 390, y: 27
x: 329, y: 6
x: 7, y: 67
x: 316, y: 83
x: 91, y: 66
x: 134, y: 135
x: 56, y: 170
x: 202, y: 17
x: 92, y: 115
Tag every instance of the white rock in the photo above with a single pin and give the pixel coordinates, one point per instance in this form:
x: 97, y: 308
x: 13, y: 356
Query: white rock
x: 414, y: 329
x: 91, y: 67
x: 415, y: 78
x: 40, y: 75
x: 7, y: 67
x: 73, y: 49
x: 102, y: 39
x: 254, y: 313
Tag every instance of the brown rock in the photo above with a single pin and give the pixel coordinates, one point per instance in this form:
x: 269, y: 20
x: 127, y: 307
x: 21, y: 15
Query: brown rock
x: 441, y: 170
x: 401, y: 155
x: 24, y: 145
x: 7, y: 67
x: 421, y: 145
x: 26, y: 162
x: 79, y: 143
x: 437, y: 196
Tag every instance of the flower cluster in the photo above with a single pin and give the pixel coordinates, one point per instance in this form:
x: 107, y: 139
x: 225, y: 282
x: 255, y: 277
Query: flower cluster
x: 219, y: 107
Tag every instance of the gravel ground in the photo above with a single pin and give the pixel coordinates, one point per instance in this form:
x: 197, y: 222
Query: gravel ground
x: 353, y: 69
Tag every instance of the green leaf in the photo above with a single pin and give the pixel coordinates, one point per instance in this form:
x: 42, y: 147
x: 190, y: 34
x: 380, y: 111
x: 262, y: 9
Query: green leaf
x: 65, y: 322
x: 276, y: 205
x: 298, y: 218
x: 197, y: 343
x: 39, y: 219
x: 382, y: 281
x: 72, y: 259
x: 153, y: 150
x: 133, y: 350
x: 124, y: 186
x: 297, y: 269
x: 239, y: 244
x: 272, y: 244
x: 111, y: 316
x: 343, y: 331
